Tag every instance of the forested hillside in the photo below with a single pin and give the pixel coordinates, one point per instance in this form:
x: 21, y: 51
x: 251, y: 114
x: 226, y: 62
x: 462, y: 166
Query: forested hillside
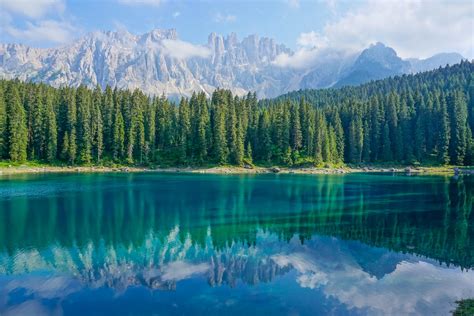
x: 426, y: 118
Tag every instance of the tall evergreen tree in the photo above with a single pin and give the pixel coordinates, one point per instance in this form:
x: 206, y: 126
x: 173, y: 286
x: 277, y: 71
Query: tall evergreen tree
x: 444, y: 133
x: 36, y: 132
x: 3, y: 125
x: 83, y: 129
x: 97, y: 128
x: 118, y: 136
x: 50, y: 129
x: 458, y: 145
x: 295, y: 125
x: 356, y: 139
x: 219, y: 126
x: 16, y: 125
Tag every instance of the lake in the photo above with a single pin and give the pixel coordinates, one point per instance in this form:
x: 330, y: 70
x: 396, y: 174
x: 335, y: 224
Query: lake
x: 187, y: 244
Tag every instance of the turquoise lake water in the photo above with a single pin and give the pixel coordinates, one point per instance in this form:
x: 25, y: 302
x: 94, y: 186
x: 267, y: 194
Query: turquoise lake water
x: 187, y: 244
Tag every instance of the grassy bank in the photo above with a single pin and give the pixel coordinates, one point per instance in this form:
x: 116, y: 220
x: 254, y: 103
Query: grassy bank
x: 7, y: 168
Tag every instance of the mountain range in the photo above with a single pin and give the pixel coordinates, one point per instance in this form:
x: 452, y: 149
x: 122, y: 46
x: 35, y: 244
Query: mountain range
x: 158, y: 62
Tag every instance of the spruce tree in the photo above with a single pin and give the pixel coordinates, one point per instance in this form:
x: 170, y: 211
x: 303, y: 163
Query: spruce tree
x: 97, y: 129
x: 356, y: 139
x: 83, y: 130
x: 50, y: 129
x: 36, y: 125
x: 16, y: 125
x: 3, y: 125
x: 202, y: 129
x: 295, y: 125
x: 118, y: 135
x: 184, y: 126
x: 444, y: 134
x: 220, y: 151
x: 458, y: 145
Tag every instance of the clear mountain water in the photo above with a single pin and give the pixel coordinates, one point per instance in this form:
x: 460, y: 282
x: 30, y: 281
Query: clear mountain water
x: 182, y: 244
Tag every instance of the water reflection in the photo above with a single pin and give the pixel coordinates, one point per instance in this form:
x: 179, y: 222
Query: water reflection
x: 363, y: 244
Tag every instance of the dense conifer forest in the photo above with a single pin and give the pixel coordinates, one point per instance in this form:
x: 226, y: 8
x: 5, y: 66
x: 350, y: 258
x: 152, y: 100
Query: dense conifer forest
x: 427, y: 118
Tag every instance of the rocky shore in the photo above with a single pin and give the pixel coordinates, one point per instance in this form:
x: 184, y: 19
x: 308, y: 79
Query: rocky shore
x: 25, y: 169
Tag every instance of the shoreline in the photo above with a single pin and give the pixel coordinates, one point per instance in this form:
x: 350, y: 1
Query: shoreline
x: 25, y: 169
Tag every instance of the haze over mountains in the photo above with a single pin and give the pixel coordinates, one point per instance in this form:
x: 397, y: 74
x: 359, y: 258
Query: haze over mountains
x: 158, y: 62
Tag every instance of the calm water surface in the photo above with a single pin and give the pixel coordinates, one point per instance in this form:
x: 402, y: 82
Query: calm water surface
x: 181, y: 244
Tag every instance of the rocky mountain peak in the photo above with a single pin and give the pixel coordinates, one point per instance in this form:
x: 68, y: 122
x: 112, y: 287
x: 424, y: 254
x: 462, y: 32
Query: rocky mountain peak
x: 153, y: 64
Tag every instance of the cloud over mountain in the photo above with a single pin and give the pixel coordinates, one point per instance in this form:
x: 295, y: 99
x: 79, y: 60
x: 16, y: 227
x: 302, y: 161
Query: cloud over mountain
x: 159, y: 62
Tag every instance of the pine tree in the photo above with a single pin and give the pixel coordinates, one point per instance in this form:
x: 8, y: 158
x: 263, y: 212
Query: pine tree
x: 202, y: 129
x: 219, y: 126
x: 50, y: 129
x: 264, y: 138
x: 231, y: 128
x: 444, y: 134
x: 108, y: 111
x: 36, y: 125
x: 17, y: 135
x: 118, y: 136
x: 184, y: 127
x: 3, y: 125
x: 420, y: 137
x: 70, y: 128
x: 458, y: 145
x: 386, y: 154
x: 295, y: 134
x: 356, y: 139
x: 318, y: 140
x: 97, y: 130
x: 65, y: 147
x: 339, y: 138
x: 83, y: 130
x: 72, y: 147
x: 239, y: 146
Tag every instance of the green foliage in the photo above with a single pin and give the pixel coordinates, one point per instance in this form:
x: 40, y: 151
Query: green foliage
x: 425, y: 118
x: 17, y: 137
x: 464, y: 308
x: 3, y: 125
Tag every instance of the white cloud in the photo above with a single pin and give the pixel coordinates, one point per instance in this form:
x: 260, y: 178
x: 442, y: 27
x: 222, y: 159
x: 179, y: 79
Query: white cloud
x: 32, y: 8
x: 183, y: 50
x: 141, y: 2
x: 41, y: 31
x: 414, y: 28
x: 42, y: 22
x: 219, y: 18
x: 176, y: 14
x: 302, y: 58
x: 310, y: 46
x: 312, y: 40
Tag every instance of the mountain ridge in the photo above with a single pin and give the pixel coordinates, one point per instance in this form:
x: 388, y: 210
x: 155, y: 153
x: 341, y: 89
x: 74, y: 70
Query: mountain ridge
x: 158, y: 62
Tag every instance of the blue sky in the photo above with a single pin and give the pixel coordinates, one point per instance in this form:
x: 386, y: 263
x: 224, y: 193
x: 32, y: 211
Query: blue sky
x: 415, y: 28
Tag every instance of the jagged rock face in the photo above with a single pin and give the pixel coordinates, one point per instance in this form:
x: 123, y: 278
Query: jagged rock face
x: 376, y: 62
x: 141, y: 61
x: 124, y: 60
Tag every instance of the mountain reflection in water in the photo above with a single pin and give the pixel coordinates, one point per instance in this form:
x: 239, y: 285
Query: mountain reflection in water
x: 176, y: 244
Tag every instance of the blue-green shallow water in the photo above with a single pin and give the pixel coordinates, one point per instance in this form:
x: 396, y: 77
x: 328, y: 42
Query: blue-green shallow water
x: 181, y: 244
